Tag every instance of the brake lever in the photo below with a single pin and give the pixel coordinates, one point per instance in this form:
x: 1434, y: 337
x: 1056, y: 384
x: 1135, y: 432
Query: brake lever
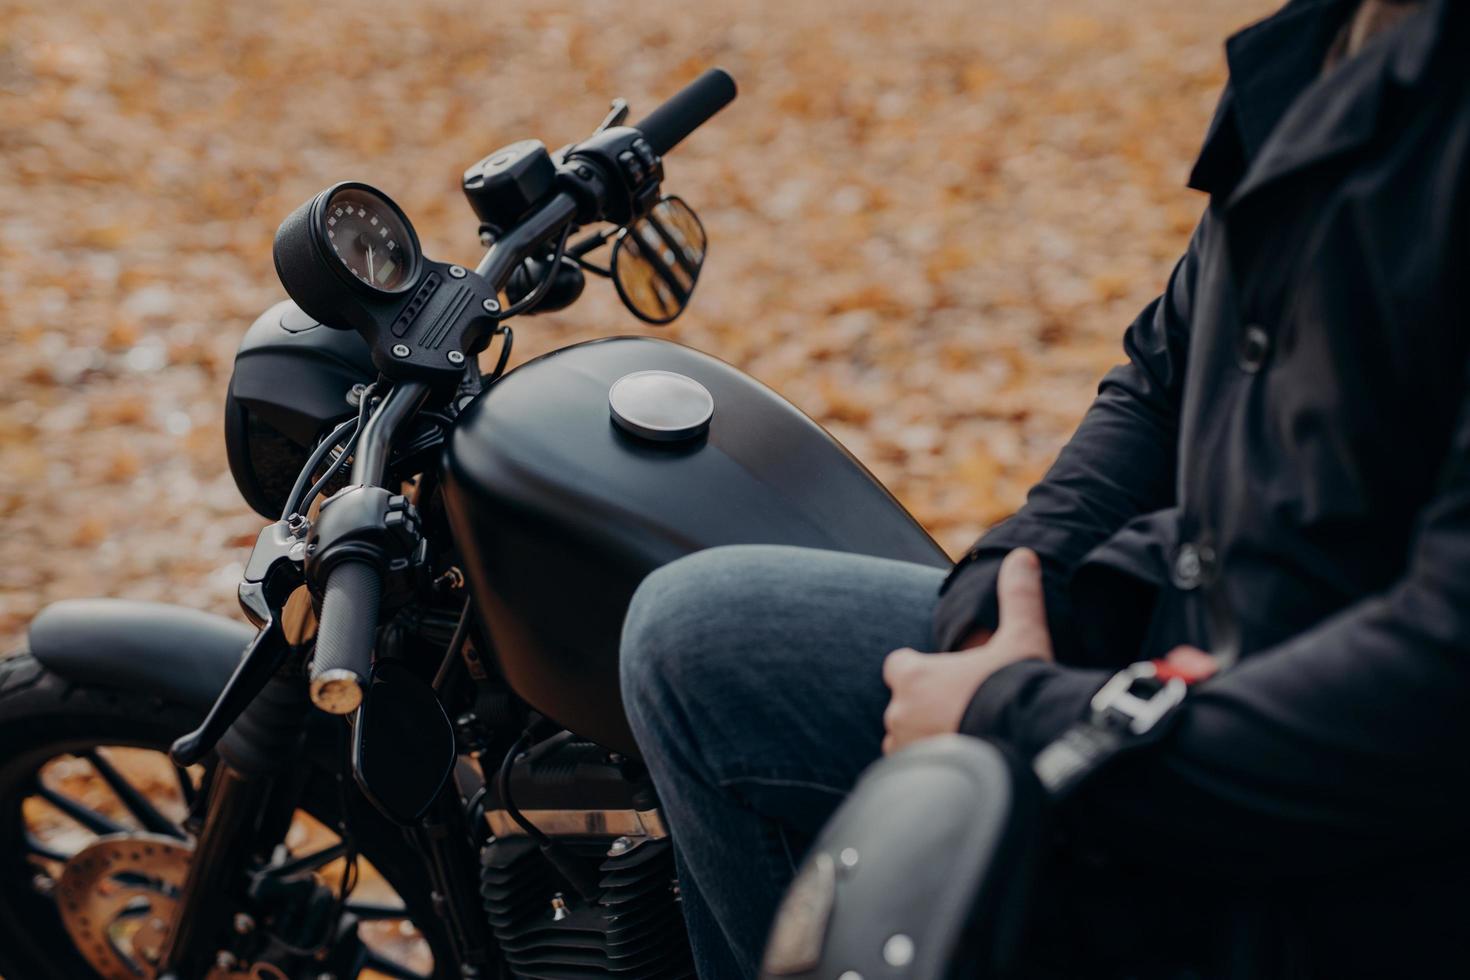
x: 616, y: 116
x: 262, y: 658
x: 273, y: 595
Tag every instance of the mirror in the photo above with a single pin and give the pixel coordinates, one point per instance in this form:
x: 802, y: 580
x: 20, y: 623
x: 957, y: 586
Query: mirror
x: 657, y: 259
x: 403, y: 744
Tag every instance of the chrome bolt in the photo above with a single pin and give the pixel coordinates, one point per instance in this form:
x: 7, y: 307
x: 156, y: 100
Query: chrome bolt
x: 457, y: 271
x: 456, y: 357
x: 491, y: 306
x: 43, y: 884
x: 401, y: 350
x: 851, y: 975
x: 558, y: 908
x: 243, y: 923
x: 225, y: 960
x: 848, y: 857
x: 899, y: 950
x: 620, y: 846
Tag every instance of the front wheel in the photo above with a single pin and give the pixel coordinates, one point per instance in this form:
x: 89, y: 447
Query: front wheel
x: 93, y: 851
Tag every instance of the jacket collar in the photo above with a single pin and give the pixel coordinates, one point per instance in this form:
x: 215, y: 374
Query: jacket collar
x: 1279, y: 113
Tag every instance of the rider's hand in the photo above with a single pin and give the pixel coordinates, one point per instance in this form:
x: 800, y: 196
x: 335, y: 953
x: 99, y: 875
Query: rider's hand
x: 932, y: 690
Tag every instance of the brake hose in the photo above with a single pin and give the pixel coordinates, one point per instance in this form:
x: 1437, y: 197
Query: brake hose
x: 295, y: 505
x: 530, y: 301
x: 345, y: 430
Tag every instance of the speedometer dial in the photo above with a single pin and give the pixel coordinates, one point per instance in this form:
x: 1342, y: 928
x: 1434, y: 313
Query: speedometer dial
x: 371, y: 238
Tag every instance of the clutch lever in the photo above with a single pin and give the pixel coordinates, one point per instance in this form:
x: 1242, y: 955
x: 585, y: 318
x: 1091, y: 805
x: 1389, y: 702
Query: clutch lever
x: 274, y: 597
x: 616, y: 115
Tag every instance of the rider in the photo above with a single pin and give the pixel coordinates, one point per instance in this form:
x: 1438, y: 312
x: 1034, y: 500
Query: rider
x: 1279, y: 475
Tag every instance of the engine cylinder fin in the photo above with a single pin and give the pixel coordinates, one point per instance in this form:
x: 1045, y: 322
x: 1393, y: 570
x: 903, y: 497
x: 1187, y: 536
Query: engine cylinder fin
x: 547, y: 932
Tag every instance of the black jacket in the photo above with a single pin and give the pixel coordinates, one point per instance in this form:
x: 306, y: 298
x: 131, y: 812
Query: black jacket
x: 1281, y: 471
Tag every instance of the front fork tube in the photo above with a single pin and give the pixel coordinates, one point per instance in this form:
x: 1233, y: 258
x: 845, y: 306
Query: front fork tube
x: 264, y: 740
x: 442, y: 839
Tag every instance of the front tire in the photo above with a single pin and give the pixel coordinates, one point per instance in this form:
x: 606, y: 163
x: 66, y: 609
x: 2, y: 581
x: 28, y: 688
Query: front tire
x: 45, y: 717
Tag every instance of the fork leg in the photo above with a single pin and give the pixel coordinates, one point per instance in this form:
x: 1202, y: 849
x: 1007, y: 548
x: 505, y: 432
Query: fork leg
x: 262, y: 742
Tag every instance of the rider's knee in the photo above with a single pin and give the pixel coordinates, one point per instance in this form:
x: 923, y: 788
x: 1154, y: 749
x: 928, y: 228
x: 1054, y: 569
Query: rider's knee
x: 668, y: 627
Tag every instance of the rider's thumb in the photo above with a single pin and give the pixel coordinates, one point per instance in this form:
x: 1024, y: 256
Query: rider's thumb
x: 1022, y: 603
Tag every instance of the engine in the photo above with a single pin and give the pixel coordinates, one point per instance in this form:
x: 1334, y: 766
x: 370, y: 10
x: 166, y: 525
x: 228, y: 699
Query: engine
x: 632, y: 929
x: 599, y: 897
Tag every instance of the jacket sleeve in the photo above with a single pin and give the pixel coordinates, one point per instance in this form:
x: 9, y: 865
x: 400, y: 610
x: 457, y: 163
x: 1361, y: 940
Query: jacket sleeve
x: 1118, y: 464
x: 1344, y: 743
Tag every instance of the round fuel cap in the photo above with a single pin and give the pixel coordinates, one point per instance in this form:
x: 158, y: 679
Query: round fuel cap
x: 661, y: 405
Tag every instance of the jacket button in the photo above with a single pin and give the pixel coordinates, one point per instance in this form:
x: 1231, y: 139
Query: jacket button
x: 1192, y: 566
x: 1255, y: 345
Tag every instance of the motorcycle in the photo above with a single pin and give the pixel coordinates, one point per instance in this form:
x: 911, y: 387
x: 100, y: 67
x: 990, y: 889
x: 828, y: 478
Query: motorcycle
x: 428, y: 684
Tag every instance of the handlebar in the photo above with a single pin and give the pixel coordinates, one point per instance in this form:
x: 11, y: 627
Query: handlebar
x: 511, y: 250
x: 366, y: 542
x: 689, y: 108
x: 375, y: 442
x: 352, y: 591
x: 620, y: 183
x: 351, y: 557
x: 344, y: 638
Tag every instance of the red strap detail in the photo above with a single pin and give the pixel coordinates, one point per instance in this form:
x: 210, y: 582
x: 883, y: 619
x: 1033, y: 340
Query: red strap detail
x: 1189, y: 666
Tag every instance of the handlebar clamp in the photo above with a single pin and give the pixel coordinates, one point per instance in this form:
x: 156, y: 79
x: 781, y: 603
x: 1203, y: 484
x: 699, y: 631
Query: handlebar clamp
x: 367, y: 524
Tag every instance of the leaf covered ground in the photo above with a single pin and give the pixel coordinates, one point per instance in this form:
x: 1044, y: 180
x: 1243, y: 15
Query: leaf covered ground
x: 929, y: 224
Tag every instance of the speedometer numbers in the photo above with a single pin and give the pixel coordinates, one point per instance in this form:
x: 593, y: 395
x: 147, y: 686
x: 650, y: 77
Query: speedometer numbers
x: 370, y: 238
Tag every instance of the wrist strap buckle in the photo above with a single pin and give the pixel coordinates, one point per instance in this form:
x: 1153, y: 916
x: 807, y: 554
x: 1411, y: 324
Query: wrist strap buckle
x: 1137, y: 697
x: 1127, y: 713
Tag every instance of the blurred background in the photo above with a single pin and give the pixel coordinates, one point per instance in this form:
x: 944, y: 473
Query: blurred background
x: 929, y: 224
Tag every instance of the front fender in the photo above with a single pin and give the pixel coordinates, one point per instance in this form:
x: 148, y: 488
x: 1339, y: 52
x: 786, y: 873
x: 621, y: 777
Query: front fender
x: 181, y: 655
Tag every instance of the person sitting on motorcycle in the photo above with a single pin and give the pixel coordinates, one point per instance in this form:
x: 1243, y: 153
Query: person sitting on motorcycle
x: 1279, y: 475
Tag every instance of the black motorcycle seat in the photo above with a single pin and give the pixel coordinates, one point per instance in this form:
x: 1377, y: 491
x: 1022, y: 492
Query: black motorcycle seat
x: 181, y: 655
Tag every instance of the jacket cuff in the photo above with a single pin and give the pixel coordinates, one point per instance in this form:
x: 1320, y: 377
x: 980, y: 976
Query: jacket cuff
x: 1030, y: 703
x: 967, y: 601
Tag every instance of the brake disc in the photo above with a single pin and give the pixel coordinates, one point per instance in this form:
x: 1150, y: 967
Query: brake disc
x: 117, y: 897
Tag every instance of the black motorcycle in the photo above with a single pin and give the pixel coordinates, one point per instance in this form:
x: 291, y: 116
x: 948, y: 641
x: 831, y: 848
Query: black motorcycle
x: 448, y: 567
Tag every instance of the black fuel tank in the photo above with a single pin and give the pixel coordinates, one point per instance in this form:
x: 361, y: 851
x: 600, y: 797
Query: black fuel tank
x: 560, y: 511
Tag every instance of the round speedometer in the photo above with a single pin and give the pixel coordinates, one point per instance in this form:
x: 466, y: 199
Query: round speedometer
x: 370, y: 237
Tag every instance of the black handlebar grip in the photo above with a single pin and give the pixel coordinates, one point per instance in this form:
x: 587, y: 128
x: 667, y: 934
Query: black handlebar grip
x: 344, y: 638
x: 689, y: 109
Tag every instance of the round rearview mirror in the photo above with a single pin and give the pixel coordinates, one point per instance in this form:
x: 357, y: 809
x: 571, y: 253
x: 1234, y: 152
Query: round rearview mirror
x: 657, y: 259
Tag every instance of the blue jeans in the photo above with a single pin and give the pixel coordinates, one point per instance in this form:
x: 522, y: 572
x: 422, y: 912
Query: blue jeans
x: 752, y: 676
